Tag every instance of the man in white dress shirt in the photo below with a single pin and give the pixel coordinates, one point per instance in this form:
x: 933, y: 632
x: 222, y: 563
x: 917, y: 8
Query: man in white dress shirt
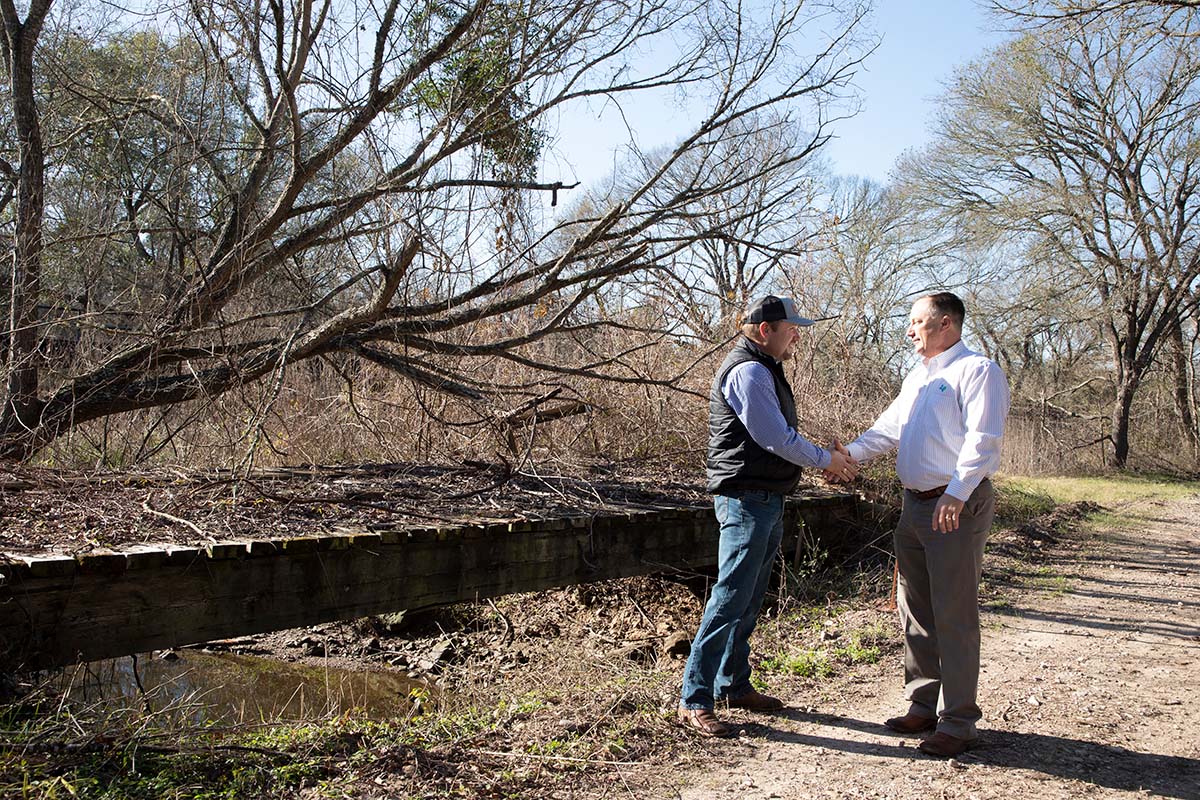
x: 947, y: 422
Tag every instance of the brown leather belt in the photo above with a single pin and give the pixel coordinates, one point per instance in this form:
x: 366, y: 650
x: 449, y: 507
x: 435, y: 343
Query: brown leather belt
x: 928, y: 494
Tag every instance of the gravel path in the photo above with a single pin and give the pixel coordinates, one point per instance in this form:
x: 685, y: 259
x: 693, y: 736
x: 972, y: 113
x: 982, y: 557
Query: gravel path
x: 1090, y: 688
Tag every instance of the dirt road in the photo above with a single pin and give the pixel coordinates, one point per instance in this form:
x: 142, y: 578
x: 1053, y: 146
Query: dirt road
x: 1090, y: 688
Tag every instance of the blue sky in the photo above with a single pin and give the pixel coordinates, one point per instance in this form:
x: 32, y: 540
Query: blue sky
x: 921, y: 44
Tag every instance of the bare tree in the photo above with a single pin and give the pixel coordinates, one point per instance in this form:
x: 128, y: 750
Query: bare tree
x: 1181, y: 361
x: 345, y: 179
x: 1081, y: 139
x: 731, y: 247
x: 1048, y: 11
x: 874, y: 252
x: 21, y: 403
x: 1040, y: 331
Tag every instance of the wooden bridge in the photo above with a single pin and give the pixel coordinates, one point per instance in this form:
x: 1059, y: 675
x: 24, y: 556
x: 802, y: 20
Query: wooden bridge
x: 61, y: 610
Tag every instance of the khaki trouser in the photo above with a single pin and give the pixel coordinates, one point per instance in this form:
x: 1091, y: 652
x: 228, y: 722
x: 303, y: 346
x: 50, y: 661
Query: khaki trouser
x: 938, y: 599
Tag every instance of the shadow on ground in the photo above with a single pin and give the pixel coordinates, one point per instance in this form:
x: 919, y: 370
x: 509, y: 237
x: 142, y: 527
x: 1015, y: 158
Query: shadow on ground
x: 1107, y: 766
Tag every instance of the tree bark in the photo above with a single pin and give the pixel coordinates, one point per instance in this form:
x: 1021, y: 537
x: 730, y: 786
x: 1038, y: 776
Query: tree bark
x: 1180, y: 360
x: 1122, y: 406
x: 22, y: 406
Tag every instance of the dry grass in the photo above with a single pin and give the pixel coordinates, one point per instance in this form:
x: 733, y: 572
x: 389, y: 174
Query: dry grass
x: 344, y: 412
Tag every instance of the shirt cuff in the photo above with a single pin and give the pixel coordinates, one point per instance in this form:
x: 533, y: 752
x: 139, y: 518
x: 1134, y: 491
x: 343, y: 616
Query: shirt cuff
x: 824, y: 459
x: 961, y: 490
x: 856, y: 452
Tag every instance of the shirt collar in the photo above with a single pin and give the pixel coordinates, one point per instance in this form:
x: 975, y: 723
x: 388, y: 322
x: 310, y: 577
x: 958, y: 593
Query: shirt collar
x: 946, y: 356
x: 753, y: 345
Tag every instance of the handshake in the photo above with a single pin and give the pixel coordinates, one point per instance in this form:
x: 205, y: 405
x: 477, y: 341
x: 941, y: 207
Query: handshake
x: 842, y: 468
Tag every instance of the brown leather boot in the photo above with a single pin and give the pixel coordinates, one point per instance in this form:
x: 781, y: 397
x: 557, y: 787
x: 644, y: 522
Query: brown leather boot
x: 703, y: 721
x: 754, y: 700
x: 946, y: 746
x: 911, y: 723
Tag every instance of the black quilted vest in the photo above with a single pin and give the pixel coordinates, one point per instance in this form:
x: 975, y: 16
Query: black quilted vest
x: 735, y: 461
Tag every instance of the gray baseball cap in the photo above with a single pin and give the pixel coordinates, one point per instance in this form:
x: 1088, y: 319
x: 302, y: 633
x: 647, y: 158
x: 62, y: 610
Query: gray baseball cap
x: 772, y: 308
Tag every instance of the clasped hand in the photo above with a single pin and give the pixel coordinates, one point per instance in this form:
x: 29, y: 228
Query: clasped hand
x: 842, y: 466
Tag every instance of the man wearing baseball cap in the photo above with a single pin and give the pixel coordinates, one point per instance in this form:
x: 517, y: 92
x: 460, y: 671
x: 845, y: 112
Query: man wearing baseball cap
x: 754, y: 461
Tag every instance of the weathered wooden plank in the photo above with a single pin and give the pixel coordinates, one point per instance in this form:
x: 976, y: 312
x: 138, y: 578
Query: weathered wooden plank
x: 103, y: 563
x: 145, y: 559
x: 100, y: 606
x: 184, y: 556
x: 263, y: 549
x: 53, y: 566
x: 219, y: 551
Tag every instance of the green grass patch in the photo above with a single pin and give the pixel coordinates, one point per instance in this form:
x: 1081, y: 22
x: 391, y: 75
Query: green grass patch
x: 550, y: 747
x: 1047, y: 579
x: 874, y: 634
x: 1018, y: 501
x: 864, y: 646
x: 1020, y: 498
x: 804, y: 663
x: 798, y: 617
x: 1103, y: 489
x: 857, y: 653
x: 861, y: 646
x: 521, y: 706
x: 135, y: 774
x: 144, y: 761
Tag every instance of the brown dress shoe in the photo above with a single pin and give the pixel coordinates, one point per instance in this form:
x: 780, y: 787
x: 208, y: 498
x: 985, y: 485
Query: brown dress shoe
x: 945, y: 745
x: 911, y: 723
x: 703, y: 721
x: 754, y: 700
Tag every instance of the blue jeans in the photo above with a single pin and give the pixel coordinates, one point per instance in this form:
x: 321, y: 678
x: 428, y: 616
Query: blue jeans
x: 719, y: 665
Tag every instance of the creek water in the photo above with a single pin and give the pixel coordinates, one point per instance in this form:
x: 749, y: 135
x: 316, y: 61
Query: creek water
x: 201, y: 687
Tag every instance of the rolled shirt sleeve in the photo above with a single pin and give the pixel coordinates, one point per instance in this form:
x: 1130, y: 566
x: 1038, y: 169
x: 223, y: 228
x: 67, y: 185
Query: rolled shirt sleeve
x: 884, y: 435
x: 750, y: 391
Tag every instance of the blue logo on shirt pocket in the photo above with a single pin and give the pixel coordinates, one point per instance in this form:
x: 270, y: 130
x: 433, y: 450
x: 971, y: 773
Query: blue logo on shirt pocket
x: 943, y: 387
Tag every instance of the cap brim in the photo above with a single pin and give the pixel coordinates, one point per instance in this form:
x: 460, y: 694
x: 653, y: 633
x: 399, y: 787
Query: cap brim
x: 792, y: 315
x: 805, y: 321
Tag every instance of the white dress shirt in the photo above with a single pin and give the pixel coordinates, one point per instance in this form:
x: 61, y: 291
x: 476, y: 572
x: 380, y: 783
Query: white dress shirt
x: 948, y: 421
